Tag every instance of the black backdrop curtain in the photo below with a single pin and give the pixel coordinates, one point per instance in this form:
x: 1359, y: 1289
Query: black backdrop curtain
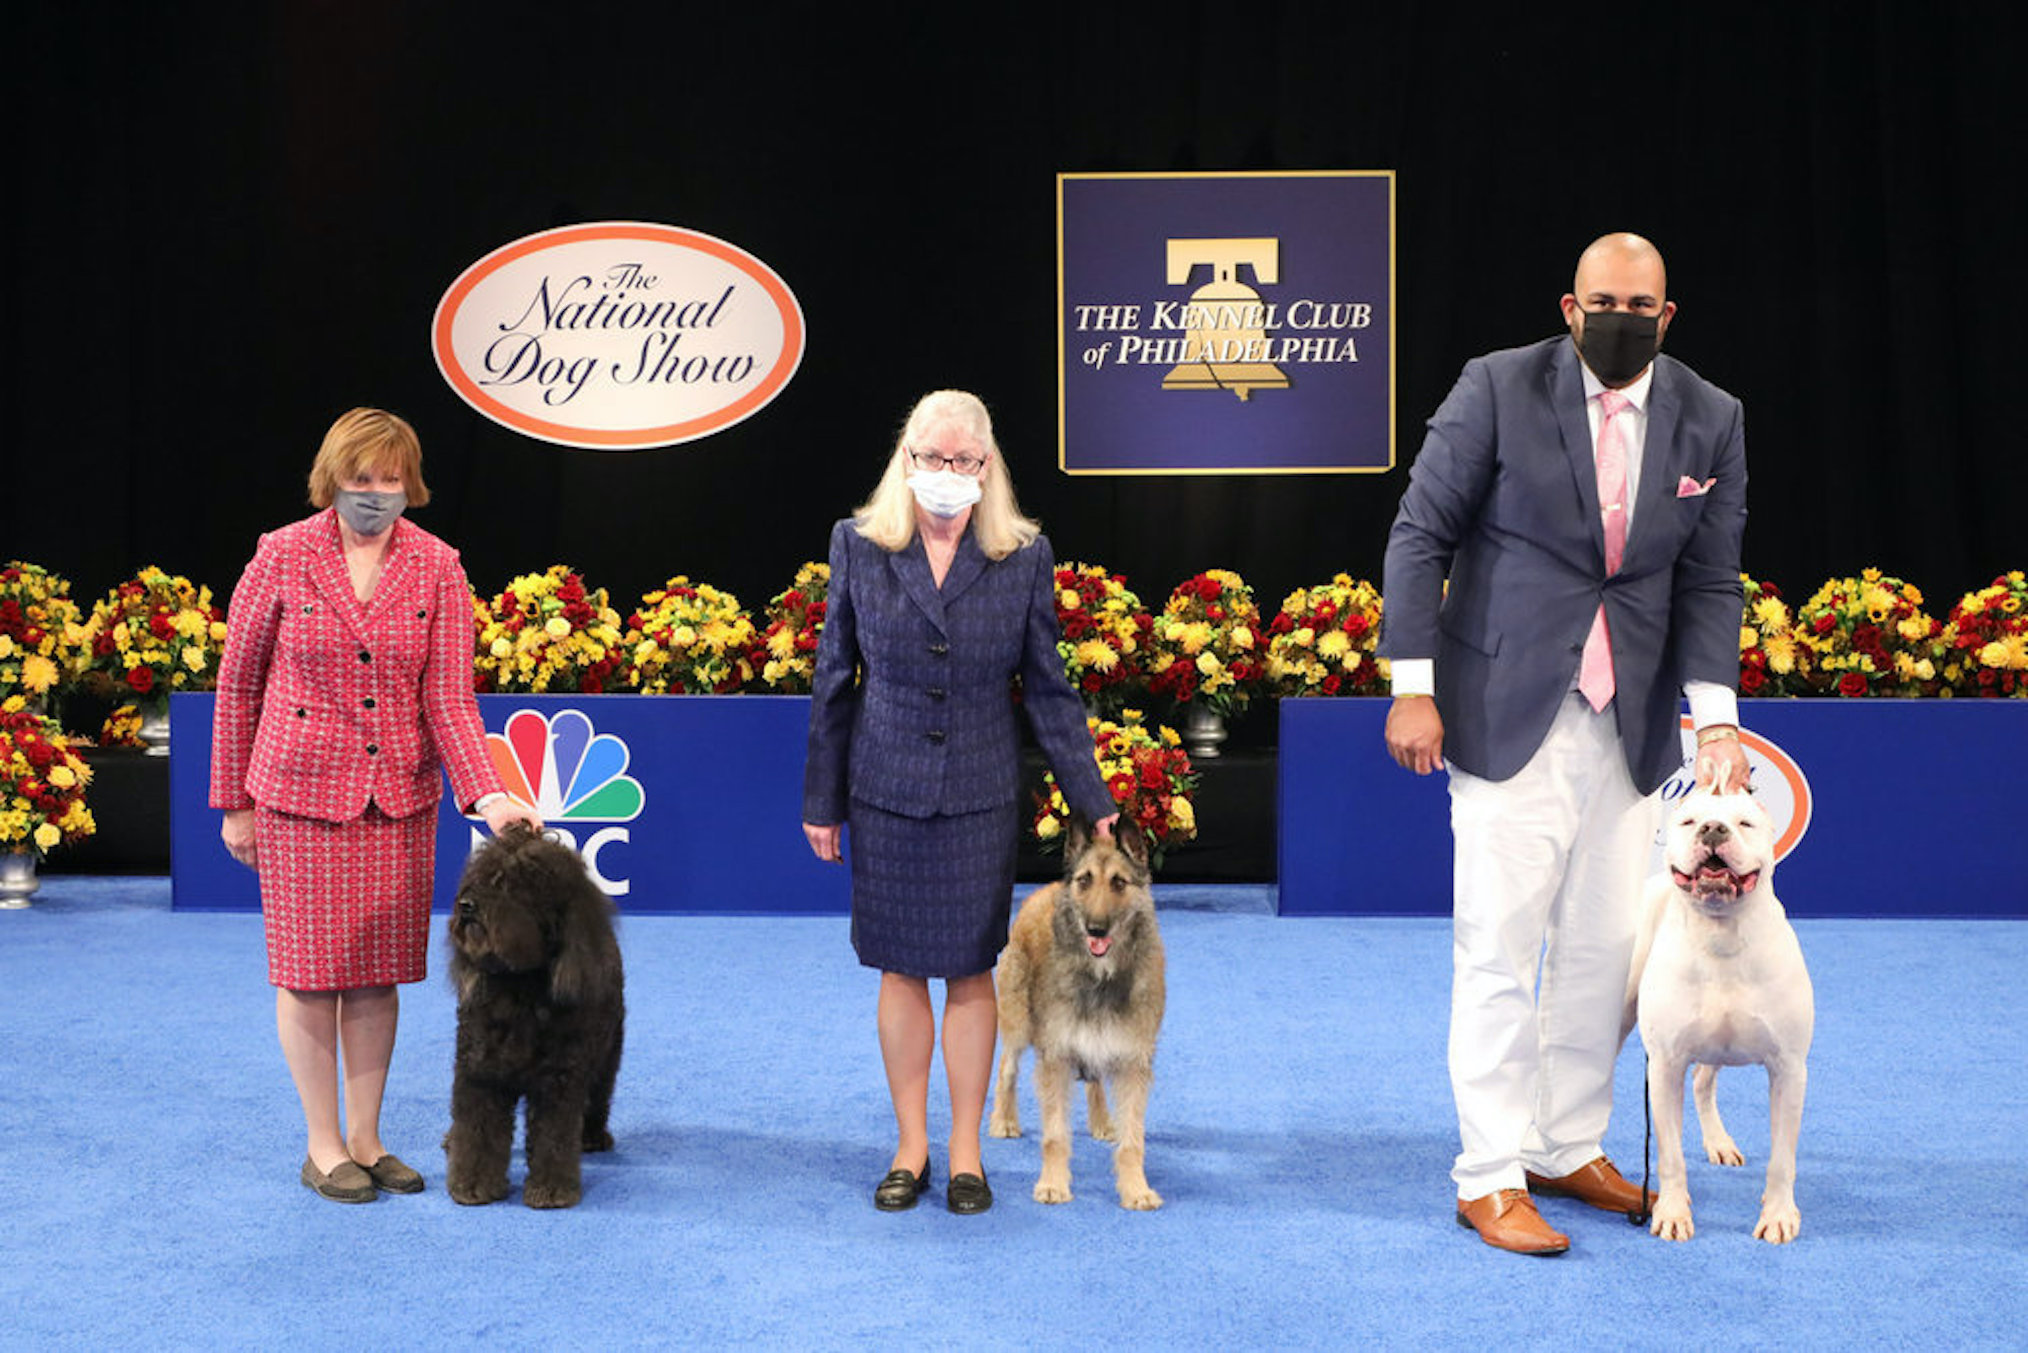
x: 228, y: 224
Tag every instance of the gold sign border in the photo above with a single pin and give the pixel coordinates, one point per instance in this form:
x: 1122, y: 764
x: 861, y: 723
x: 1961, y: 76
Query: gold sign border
x: 1062, y: 450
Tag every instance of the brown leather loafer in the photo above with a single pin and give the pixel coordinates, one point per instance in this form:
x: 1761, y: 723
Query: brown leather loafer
x: 1597, y: 1184
x: 1507, y: 1220
x: 346, y: 1183
x: 390, y: 1174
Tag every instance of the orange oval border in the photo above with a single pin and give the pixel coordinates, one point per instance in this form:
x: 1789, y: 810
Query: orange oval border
x: 638, y: 438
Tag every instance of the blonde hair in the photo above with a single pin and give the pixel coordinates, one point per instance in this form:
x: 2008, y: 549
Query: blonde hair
x: 368, y: 441
x: 887, y: 518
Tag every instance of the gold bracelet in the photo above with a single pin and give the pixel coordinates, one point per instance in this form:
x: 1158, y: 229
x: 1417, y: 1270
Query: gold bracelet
x: 1717, y: 733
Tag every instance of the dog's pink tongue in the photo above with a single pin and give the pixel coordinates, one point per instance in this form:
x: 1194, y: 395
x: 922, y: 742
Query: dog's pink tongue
x: 1098, y: 944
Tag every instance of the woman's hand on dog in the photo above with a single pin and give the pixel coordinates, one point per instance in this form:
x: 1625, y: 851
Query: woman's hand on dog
x: 824, y: 841
x: 1103, y: 828
x: 238, y: 834
x: 506, y: 809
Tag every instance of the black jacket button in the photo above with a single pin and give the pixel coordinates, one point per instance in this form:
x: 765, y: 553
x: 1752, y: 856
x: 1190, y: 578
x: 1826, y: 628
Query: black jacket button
x: 940, y: 649
x: 936, y: 692
x: 373, y: 749
x: 364, y: 656
x: 935, y: 735
x: 367, y: 702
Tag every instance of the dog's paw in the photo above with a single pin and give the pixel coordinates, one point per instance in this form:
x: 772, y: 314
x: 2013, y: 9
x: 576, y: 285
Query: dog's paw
x: 1102, y: 1130
x: 1671, y: 1219
x: 598, y: 1141
x: 1139, y: 1199
x: 1052, y: 1191
x: 1778, y: 1224
x: 1723, y: 1151
x: 551, y: 1195
x: 1004, y: 1125
x: 473, y: 1194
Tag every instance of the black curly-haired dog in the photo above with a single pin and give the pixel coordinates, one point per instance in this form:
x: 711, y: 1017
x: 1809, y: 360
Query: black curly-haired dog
x: 541, y: 1016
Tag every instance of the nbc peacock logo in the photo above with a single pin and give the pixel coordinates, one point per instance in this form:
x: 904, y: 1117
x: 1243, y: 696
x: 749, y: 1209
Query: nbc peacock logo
x: 575, y: 777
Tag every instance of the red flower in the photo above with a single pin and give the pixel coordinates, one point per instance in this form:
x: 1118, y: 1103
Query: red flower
x: 1852, y: 683
x: 1826, y: 623
x: 1751, y: 679
x: 142, y: 679
x: 1331, y: 683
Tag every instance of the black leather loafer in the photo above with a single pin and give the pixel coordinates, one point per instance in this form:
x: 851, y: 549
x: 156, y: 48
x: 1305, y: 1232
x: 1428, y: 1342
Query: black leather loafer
x: 968, y: 1193
x: 899, y: 1190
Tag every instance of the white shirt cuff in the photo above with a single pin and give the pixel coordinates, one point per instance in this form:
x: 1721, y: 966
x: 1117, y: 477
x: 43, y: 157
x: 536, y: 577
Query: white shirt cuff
x: 1711, y: 703
x: 1414, y: 676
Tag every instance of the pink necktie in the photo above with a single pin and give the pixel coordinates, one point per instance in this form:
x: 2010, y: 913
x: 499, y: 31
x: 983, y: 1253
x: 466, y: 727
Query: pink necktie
x: 1595, y: 672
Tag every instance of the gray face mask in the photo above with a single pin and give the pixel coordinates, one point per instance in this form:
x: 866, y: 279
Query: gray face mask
x: 367, y: 512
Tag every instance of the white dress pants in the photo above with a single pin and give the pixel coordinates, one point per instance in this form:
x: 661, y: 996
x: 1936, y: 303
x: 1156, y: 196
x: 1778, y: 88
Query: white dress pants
x: 1549, y: 869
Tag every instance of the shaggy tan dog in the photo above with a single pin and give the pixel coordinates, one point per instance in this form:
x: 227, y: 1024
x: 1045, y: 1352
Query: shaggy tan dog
x: 1081, y: 981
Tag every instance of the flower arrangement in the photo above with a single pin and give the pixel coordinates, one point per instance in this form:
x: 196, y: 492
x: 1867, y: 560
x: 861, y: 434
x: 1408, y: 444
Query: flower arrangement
x: 41, y: 639
x: 1105, y: 634
x: 548, y: 632
x: 122, y: 728
x: 153, y: 634
x: 690, y: 639
x: 1870, y: 636
x: 42, y: 783
x: 1985, y: 640
x: 1321, y: 642
x: 1206, y: 643
x: 1772, y: 660
x: 1149, y: 775
x: 795, y: 617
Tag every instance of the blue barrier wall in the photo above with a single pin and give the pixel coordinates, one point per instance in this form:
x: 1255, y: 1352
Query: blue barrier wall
x: 680, y: 803
x: 1895, y: 807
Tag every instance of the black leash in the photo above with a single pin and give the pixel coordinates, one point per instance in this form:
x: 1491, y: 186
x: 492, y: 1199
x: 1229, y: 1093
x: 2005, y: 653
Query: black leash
x: 1641, y: 1215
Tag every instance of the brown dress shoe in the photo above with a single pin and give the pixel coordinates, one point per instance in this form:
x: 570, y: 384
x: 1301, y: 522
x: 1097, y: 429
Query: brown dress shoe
x: 1508, y: 1220
x: 1598, y: 1184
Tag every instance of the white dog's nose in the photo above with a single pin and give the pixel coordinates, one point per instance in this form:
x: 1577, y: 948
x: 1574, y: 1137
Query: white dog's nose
x: 1713, y: 833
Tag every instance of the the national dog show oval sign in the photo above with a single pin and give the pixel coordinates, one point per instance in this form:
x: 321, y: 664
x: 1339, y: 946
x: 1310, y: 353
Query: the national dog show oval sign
x: 618, y: 335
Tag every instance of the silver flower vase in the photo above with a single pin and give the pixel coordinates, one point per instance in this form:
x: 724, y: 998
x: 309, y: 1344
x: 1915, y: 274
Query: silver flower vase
x: 154, y: 729
x: 1203, y: 730
x: 17, y: 878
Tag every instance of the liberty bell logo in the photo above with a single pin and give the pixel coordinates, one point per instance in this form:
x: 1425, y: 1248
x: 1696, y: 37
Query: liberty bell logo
x: 1226, y: 344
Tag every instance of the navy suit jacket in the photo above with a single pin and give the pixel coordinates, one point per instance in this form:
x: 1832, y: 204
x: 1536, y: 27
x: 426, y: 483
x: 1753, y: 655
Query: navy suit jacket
x: 910, y: 708
x: 1503, y: 500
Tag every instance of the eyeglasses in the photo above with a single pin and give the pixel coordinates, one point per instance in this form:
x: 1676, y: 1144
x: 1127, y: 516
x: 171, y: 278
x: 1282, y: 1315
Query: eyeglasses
x: 930, y: 460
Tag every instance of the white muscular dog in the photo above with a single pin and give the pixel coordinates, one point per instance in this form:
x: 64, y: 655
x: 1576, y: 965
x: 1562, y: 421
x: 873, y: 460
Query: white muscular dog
x: 1718, y: 980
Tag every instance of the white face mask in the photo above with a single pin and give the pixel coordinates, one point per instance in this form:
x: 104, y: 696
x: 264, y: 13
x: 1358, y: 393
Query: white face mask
x: 944, y: 493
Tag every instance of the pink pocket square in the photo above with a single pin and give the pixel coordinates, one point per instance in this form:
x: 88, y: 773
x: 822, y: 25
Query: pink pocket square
x: 1686, y: 487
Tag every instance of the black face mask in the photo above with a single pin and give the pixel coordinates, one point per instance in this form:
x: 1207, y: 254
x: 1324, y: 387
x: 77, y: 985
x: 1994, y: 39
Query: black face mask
x: 1617, y: 345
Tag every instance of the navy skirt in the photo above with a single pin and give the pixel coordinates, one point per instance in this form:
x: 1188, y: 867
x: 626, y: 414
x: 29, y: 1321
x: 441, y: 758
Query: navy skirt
x: 930, y: 895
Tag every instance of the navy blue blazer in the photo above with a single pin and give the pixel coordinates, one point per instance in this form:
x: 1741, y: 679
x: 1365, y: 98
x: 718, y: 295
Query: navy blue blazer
x: 910, y: 708
x: 1503, y: 500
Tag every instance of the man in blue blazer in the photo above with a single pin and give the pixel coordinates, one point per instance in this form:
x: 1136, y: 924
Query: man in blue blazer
x: 1563, y: 566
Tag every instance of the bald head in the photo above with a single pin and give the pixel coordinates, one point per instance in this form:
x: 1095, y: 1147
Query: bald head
x: 1622, y: 250
x: 1620, y: 275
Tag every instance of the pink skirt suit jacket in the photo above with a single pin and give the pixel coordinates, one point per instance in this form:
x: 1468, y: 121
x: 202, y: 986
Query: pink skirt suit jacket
x: 335, y: 720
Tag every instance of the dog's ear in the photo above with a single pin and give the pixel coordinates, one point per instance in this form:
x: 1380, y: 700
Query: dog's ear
x: 1077, y: 839
x: 583, y: 929
x: 1132, y: 840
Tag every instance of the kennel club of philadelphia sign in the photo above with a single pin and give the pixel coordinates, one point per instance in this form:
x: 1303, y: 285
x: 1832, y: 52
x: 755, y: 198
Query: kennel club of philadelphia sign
x: 618, y: 335
x: 1225, y: 323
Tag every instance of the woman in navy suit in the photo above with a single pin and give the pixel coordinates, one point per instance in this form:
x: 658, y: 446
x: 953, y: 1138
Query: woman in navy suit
x: 941, y: 593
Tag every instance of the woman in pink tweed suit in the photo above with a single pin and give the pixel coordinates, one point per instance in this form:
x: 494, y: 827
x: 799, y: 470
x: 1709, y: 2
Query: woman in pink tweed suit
x: 344, y: 692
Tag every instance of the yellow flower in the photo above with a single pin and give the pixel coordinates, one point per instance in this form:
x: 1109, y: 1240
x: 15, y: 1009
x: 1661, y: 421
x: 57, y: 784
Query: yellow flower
x: 62, y: 777
x: 1770, y: 613
x: 556, y: 627
x: 1067, y: 599
x: 194, y: 658
x: 1781, y: 654
x: 1915, y: 627
x: 1181, y: 815
x: 1209, y: 664
x: 1094, y: 654
x: 502, y: 647
x: 38, y: 673
x: 6, y: 645
x: 1048, y: 828
x: 47, y: 836
x: 1333, y: 644
x: 1303, y: 637
x: 1242, y: 638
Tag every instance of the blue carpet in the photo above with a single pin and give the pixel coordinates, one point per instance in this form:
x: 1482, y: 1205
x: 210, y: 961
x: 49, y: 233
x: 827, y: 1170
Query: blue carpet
x: 1300, y: 1130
